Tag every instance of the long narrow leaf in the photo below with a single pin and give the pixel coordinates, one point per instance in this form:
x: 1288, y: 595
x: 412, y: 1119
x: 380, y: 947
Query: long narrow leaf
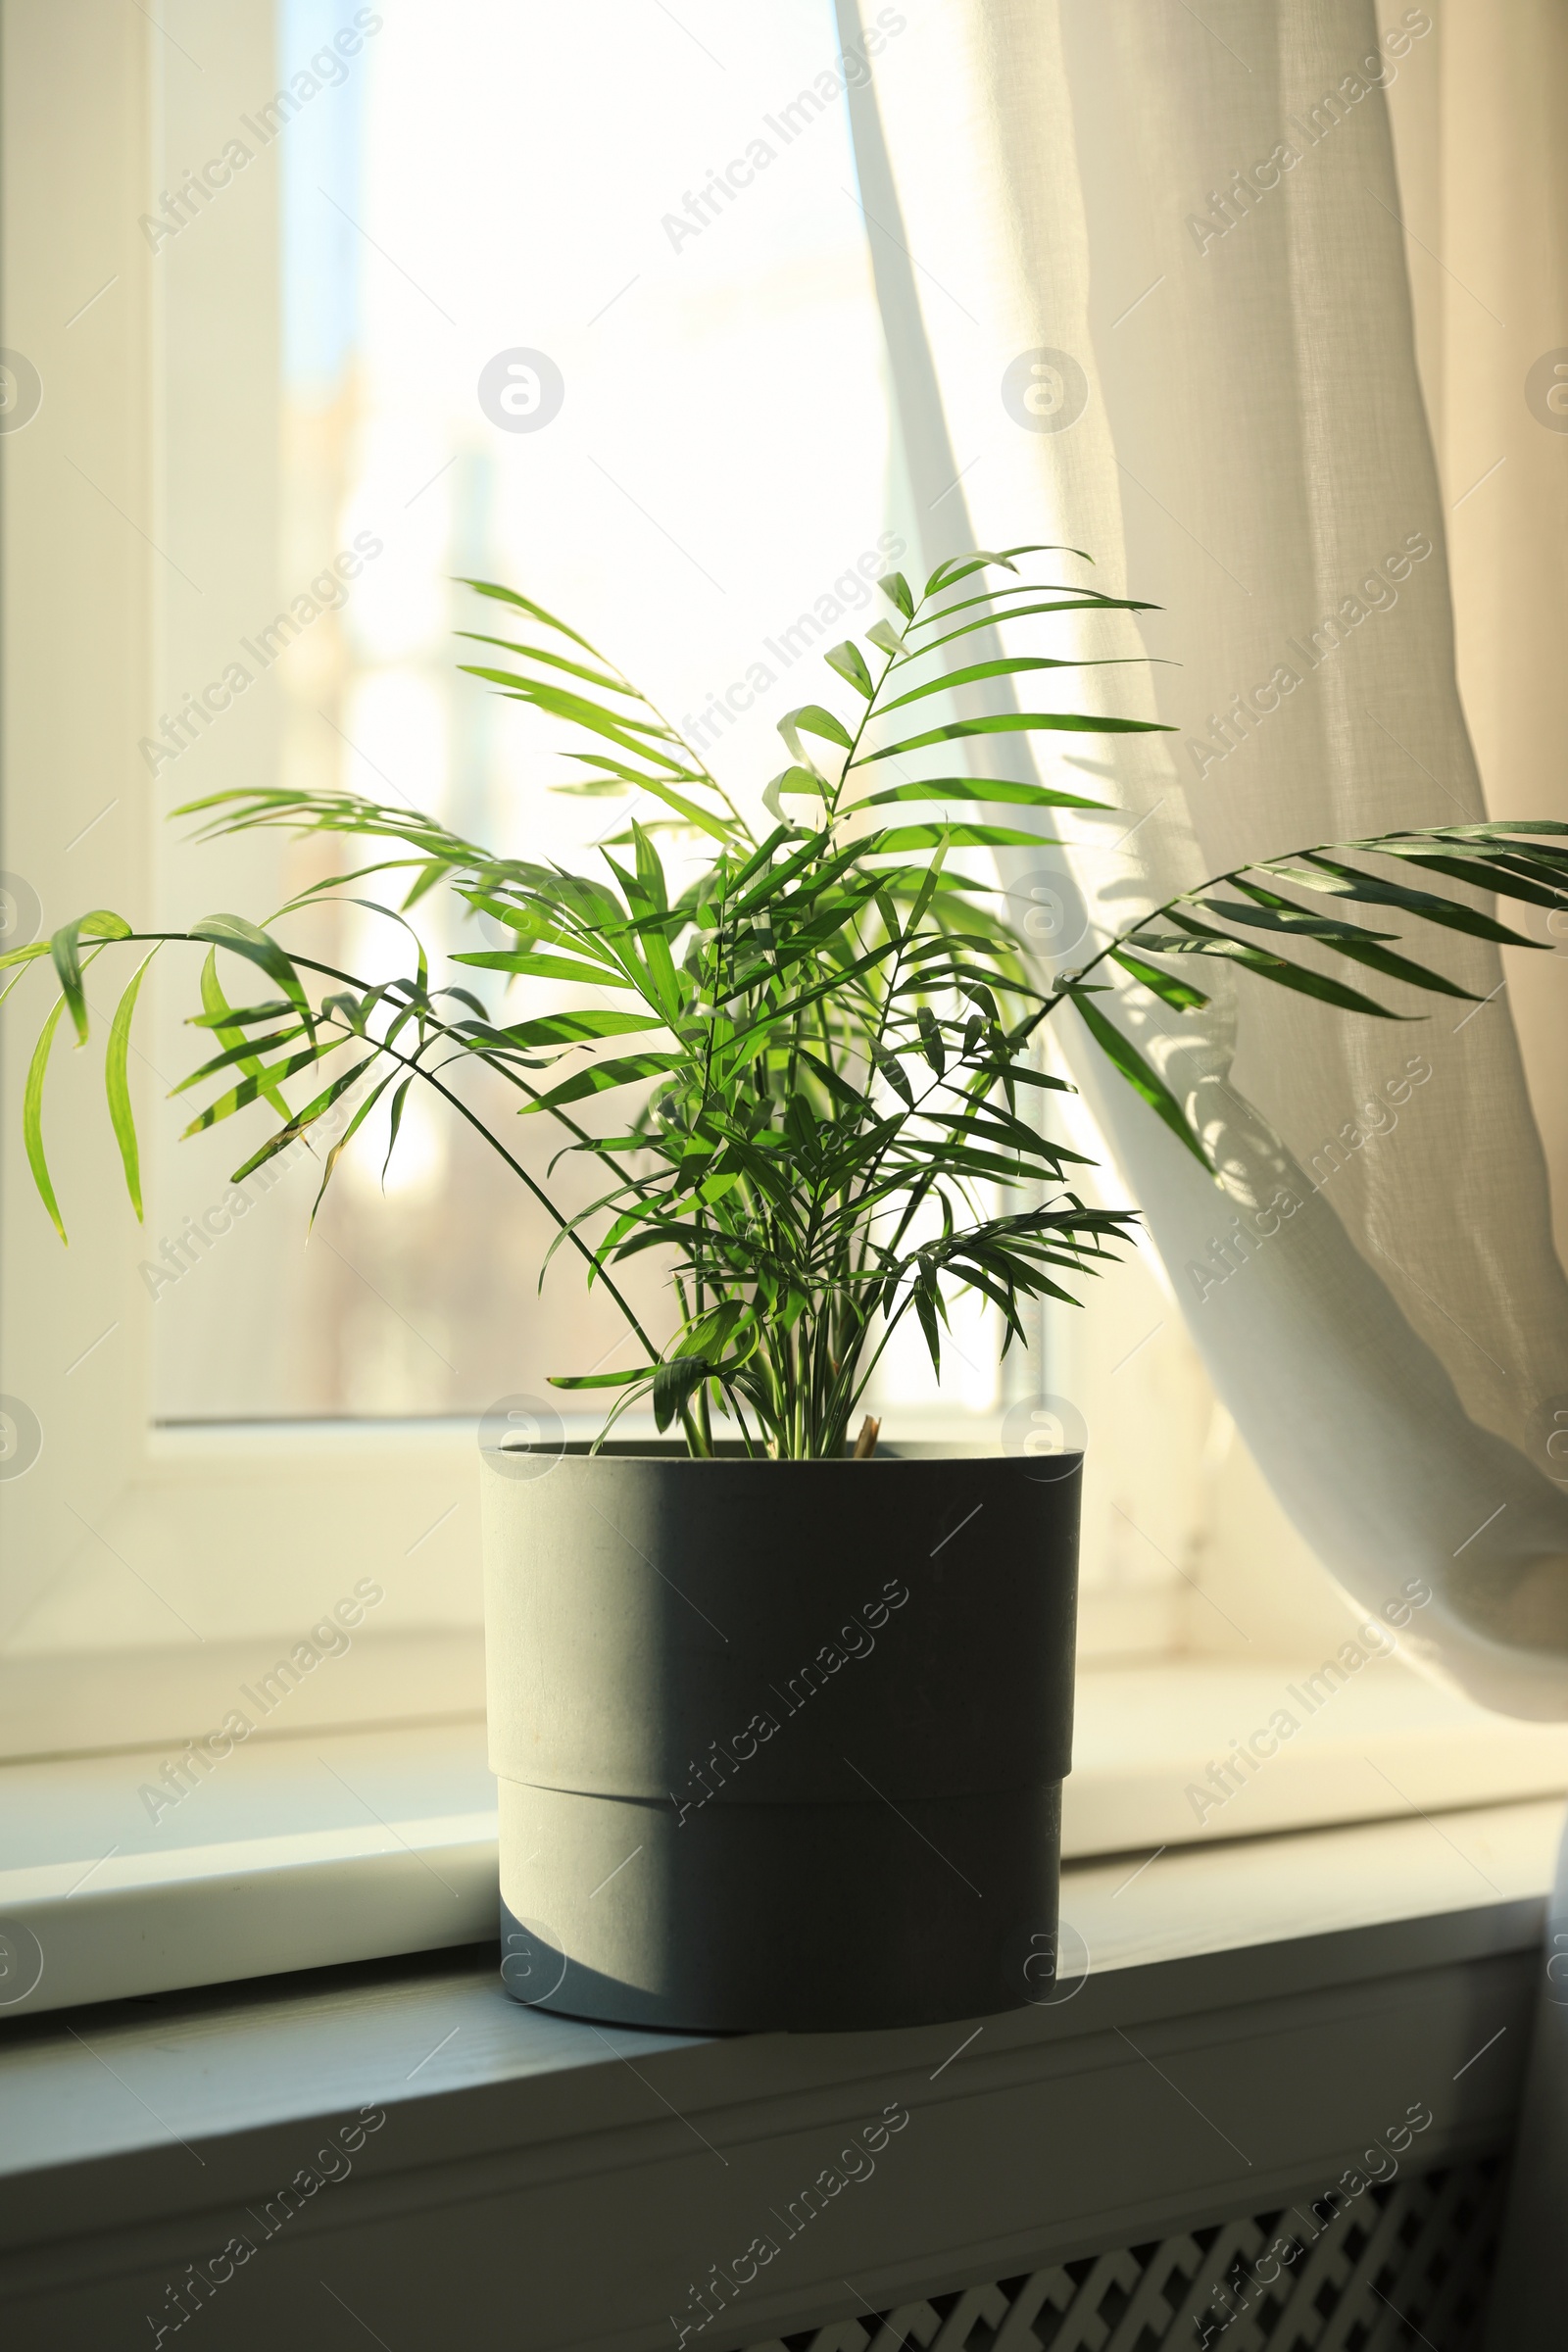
x: 65, y: 948
x: 721, y: 829
x: 260, y: 1087
x: 1018, y: 722
x: 242, y: 938
x: 33, y: 1116
x: 970, y: 788
x: 1008, y: 667
x: 575, y: 1028
x: 216, y: 1008
x: 990, y: 619
x: 1175, y: 993
x: 958, y: 837
x: 510, y: 596
x: 526, y: 964
x: 1492, y: 875
x: 246, y: 1054
x: 1124, y: 1056
x: 1329, y: 875
x: 394, y: 1123
x: 601, y: 1077
x: 116, y: 1085
x: 345, y: 1139
x: 537, y: 653
x: 303, y: 1120
x: 1088, y: 599
x: 1294, y: 976
x: 849, y: 663
x: 27, y: 955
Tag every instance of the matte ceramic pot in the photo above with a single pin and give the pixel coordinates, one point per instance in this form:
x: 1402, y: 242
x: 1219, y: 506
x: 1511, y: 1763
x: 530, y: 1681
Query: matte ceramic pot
x: 779, y: 1744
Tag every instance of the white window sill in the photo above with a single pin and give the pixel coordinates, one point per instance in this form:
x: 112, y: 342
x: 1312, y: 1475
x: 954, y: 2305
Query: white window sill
x: 308, y: 1851
x: 1252, y: 2018
x: 1484, y: 1876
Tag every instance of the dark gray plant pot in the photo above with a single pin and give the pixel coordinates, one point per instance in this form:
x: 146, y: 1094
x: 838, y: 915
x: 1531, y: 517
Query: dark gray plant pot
x: 780, y: 1744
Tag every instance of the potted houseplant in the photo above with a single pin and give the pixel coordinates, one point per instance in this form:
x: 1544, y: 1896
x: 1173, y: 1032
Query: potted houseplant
x: 780, y: 1713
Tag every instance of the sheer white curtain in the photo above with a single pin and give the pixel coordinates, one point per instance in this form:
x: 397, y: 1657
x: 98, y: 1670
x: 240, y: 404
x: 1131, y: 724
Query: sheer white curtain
x: 1185, y: 234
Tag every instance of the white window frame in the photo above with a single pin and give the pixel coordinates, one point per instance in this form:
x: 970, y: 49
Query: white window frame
x: 118, y: 1525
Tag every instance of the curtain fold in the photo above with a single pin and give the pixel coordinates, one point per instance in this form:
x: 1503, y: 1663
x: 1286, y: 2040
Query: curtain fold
x: 1145, y: 290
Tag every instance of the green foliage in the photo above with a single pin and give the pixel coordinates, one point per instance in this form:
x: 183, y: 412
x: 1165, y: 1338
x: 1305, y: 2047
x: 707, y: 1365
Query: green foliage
x: 842, y: 1065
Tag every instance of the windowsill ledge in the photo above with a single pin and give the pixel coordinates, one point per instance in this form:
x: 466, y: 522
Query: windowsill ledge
x: 1252, y: 2017
x: 329, y: 1847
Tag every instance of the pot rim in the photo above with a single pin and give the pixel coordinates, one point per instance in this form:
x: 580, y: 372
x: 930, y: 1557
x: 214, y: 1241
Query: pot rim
x: 731, y: 1453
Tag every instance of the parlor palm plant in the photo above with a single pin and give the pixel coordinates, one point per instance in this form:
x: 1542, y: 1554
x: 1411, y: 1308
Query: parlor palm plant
x: 829, y: 1034
x: 765, y: 1730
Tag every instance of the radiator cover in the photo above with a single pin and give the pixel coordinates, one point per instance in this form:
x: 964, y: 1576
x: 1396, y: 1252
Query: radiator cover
x: 1407, y: 2264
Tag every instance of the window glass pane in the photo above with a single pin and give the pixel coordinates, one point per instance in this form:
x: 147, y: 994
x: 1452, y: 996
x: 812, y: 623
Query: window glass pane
x: 365, y: 335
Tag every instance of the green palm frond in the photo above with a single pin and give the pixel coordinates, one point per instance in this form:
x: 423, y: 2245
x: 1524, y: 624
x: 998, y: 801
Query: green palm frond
x: 828, y: 1039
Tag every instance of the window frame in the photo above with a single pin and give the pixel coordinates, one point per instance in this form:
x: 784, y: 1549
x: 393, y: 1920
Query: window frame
x: 112, y: 1498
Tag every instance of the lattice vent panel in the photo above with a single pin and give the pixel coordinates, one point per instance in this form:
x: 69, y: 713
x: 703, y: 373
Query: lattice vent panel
x: 1405, y: 2265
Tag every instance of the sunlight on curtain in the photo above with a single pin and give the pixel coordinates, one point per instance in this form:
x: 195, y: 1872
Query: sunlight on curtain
x: 1192, y: 227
